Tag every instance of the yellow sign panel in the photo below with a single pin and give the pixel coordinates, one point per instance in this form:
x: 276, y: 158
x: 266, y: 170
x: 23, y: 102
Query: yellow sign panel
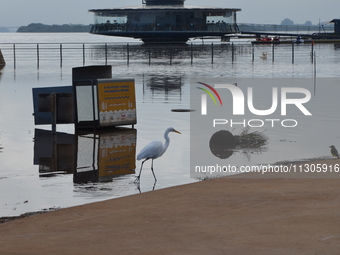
x: 117, y: 153
x: 117, y: 102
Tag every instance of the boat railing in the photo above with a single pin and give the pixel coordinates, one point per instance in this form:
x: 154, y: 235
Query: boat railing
x: 122, y: 28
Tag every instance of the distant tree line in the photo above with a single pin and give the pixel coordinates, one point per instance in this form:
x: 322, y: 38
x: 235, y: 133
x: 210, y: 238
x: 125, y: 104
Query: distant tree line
x: 3, y: 29
x: 42, y: 28
x: 288, y: 22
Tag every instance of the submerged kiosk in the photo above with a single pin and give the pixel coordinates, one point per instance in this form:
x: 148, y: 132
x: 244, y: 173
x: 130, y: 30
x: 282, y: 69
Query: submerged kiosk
x: 94, y: 100
x: 165, y: 21
x: 97, y: 104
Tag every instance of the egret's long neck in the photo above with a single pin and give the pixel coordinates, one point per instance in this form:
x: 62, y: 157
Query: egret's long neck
x: 167, y: 141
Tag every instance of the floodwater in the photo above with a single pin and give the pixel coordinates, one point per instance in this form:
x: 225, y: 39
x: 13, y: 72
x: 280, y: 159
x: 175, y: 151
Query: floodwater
x: 38, y: 172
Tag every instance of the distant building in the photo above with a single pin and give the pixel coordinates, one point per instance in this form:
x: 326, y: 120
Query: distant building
x: 165, y: 21
x: 336, y: 26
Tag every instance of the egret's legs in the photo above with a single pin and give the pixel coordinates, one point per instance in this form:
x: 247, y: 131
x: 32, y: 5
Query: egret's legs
x: 140, y: 171
x: 141, y: 168
x: 154, y: 176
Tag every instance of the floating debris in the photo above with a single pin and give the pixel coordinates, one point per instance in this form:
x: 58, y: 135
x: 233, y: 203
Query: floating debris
x: 223, y: 143
x: 182, y: 110
x: 251, y: 140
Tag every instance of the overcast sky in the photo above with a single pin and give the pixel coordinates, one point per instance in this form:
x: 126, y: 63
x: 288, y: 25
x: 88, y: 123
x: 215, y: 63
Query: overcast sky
x: 15, y: 13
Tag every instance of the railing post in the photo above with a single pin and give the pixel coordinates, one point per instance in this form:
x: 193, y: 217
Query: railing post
x: 128, y: 54
x: 61, y: 55
x: 252, y: 53
x: 273, y: 52
x: 212, y: 53
x: 83, y: 54
x: 312, y: 52
x: 38, y: 56
x: 314, y: 65
x: 191, y: 54
x: 292, y: 52
x: 149, y: 54
x: 232, y: 52
x: 105, y: 53
x: 170, y: 54
x: 14, y: 56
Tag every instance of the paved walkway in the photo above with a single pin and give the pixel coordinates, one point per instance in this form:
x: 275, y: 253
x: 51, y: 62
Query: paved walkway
x: 221, y: 216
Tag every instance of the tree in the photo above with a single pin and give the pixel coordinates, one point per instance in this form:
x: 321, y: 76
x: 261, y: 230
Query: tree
x: 287, y: 22
x: 308, y: 23
x: 41, y: 28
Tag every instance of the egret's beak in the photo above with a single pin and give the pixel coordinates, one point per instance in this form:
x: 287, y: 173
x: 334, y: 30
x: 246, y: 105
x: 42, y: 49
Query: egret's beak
x: 177, y: 131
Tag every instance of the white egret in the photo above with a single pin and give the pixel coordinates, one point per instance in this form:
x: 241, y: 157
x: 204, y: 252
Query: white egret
x: 154, y: 150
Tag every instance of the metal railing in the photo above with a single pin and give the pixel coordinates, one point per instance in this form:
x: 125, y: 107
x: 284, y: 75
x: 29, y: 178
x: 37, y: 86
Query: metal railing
x: 128, y: 53
x: 248, y: 27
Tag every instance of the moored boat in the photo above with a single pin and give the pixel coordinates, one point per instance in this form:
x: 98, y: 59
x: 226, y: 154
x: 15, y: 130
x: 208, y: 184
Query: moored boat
x: 267, y: 40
